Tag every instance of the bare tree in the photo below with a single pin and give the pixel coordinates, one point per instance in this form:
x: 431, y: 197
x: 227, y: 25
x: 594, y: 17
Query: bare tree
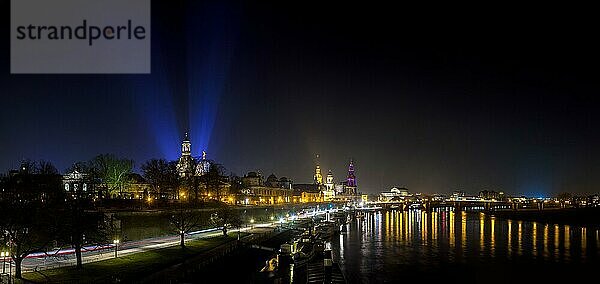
x: 40, y: 167
x: 81, y: 225
x: 46, y: 168
x: 26, y: 227
x: 112, y: 171
x: 235, y: 183
x: 236, y: 223
x: 28, y: 221
x: 226, y: 217
x: 28, y: 167
x: 214, y: 180
x: 161, y: 174
x: 184, y: 220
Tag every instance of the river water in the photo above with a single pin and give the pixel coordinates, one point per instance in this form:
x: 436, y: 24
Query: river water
x: 465, y: 247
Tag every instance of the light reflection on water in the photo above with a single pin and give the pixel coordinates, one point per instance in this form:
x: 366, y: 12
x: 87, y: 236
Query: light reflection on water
x: 378, y: 246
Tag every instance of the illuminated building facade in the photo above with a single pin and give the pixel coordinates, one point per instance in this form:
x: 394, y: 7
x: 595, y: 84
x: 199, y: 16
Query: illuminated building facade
x: 395, y: 194
x: 185, y: 164
x: 24, y: 185
x: 194, y: 172
x: 203, y: 166
x: 252, y: 179
x: 329, y: 181
x: 351, y: 180
x: 137, y: 188
x: 329, y: 191
x: 318, y: 178
x: 78, y: 185
x: 257, y: 191
x: 305, y: 193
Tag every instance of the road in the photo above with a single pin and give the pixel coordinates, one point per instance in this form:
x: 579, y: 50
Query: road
x: 66, y: 257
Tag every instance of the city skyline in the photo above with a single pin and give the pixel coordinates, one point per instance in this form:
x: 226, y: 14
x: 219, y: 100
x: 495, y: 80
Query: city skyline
x: 417, y: 99
x: 227, y: 141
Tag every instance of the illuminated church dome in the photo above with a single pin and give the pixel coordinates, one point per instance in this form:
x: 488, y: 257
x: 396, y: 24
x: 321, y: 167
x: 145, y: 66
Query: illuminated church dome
x: 203, y: 165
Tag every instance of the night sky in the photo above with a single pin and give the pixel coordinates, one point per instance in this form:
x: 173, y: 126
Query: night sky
x: 436, y: 100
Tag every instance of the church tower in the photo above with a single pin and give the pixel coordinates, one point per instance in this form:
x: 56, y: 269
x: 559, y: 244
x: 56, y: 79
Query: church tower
x: 185, y: 164
x: 329, y: 181
x: 351, y: 180
x: 329, y: 193
x: 186, y: 146
x: 318, y: 177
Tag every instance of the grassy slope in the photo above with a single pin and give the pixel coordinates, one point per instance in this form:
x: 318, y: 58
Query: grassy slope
x: 133, y: 266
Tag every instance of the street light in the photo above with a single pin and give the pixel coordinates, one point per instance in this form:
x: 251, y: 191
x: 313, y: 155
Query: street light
x: 252, y: 222
x: 116, y: 242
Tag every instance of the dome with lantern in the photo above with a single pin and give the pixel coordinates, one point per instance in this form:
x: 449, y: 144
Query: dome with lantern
x: 203, y: 165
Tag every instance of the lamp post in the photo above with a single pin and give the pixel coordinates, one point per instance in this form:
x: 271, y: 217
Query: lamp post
x: 252, y: 223
x: 116, y: 242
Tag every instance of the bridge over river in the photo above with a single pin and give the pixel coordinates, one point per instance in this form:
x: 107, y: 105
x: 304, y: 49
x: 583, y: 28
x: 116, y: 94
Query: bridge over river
x: 458, y: 205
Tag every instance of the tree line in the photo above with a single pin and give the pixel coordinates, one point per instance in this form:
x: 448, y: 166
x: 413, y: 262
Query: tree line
x: 39, y: 216
x: 111, y: 175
